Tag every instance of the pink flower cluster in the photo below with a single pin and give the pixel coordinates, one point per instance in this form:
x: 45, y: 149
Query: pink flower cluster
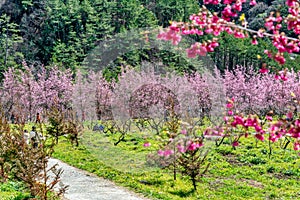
x: 147, y: 144
x: 293, y: 22
x: 214, y: 132
x: 201, y: 49
x: 273, y: 23
x: 172, y: 34
x: 247, y: 123
x: 276, y: 130
x: 165, y: 153
x: 282, y: 129
x: 182, y: 146
x: 282, y: 44
x: 23, y: 93
x: 261, y: 92
x: 229, y: 11
x: 282, y: 75
x: 207, y: 23
x: 189, y: 146
x: 192, y: 146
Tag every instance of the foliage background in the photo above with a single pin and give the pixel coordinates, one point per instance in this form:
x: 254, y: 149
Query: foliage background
x: 64, y: 32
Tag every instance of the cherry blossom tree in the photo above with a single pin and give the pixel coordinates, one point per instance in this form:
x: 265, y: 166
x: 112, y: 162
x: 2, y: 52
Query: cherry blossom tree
x: 29, y: 93
x: 10, y: 92
x: 103, y: 91
x: 54, y: 87
x: 80, y: 98
x: 232, y: 21
x: 257, y: 93
x: 27, y: 89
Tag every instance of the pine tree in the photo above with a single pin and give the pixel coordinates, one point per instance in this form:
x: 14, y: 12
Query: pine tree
x: 9, y: 40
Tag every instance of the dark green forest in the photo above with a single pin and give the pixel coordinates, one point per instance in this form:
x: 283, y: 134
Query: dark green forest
x: 64, y: 32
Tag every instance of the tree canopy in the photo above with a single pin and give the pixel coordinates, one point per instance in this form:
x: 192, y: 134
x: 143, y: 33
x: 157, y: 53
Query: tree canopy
x: 64, y: 32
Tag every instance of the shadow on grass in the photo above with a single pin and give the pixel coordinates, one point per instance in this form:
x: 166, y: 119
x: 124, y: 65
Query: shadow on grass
x: 152, y: 182
x: 183, y: 193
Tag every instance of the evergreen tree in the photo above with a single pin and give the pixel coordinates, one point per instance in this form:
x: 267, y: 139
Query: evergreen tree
x: 130, y: 14
x: 171, y: 10
x: 9, y: 40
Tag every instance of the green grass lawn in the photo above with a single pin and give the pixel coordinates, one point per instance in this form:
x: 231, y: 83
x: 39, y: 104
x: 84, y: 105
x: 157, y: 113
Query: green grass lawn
x: 13, y: 191
x: 245, y: 173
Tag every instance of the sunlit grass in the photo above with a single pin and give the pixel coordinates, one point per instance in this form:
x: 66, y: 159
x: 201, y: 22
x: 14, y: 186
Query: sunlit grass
x: 244, y: 173
x: 12, y: 190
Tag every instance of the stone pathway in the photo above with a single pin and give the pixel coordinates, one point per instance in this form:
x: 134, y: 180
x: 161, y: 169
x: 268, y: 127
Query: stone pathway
x: 86, y: 186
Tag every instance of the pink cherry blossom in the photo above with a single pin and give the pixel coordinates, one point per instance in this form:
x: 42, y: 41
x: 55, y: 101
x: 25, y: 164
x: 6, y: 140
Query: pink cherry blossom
x: 254, y: 41
x: 229, y: 105
x: 217, y: 23
x: 289, y: 115
x: 264, y: 70
x: 147, y: 144
x: 181, y: 148
x: 260, y: 137
x: 252, y: 2
x: 194, y: 145
x: 269, y: 118
x: 296, y: 146
x: 183, y: 131
x: 235, y: 143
